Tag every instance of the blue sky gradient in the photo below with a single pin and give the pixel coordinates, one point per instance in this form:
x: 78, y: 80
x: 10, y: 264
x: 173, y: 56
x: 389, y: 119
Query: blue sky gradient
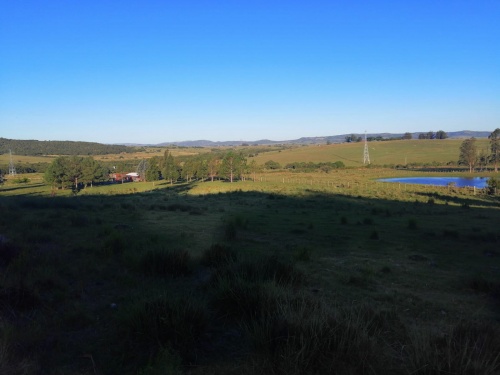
x: 156, y: 71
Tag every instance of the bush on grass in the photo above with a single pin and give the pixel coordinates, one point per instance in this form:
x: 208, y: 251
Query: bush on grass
x: 164, y: 263
x: 467, y: 348
x: 218, y: 255
x: 310, y: 339
x: 163, y: 323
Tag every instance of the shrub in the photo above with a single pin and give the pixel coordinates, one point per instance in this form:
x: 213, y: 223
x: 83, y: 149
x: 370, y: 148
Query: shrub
x: 450, y: 233
x: 302, y: 253
x: 241, y: 299
x: 78, y: 220
x: 493, y: 185
x: 8, y: 252
x: 306, y: 338
x: 164, y: 322
x: 467, y: 348
x: 267, y: 269
x: 166, y: 263
x: 232, y: 225
x: 218, y: 255
x: 20, y: 297
x: 282, y: 272
x: 412, y: 224
x: 114, y: 244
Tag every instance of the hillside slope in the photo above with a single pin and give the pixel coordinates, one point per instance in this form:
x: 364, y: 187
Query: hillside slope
x: 34, y: 147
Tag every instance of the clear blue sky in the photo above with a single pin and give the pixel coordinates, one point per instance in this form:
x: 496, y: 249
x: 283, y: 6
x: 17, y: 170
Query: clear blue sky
x: 153, y: 71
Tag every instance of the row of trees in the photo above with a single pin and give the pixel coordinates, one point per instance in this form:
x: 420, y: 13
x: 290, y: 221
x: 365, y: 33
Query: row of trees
x: 470, y: 156
x: 431, y: 135
x: 231, y: 165
x: 75, y: 171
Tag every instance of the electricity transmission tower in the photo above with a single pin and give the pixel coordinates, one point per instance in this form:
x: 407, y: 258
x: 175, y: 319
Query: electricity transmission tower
x: 366, y: 155
x: 12, y: 168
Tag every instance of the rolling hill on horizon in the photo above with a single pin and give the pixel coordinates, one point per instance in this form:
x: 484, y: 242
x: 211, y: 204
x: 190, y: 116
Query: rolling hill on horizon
x: 35, y: 147
x: 309, y: 140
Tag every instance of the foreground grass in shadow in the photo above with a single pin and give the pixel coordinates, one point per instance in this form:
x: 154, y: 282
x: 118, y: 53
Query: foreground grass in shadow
x: 173, y: 281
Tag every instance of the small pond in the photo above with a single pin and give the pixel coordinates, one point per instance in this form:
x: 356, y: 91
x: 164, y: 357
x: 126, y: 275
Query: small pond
x: 478, y: 182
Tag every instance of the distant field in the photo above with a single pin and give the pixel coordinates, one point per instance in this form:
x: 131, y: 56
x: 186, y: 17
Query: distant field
x: 153, y: 151
x: 381, y: 153
x: 22, y: 159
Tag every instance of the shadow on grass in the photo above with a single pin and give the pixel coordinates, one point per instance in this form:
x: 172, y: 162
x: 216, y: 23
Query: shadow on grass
x: 260, y: 293
x: 490, y: 201
x: 30, y: 186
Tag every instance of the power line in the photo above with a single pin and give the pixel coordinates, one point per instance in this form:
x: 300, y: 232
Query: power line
x: 366, y: 154
x: 12, y: 168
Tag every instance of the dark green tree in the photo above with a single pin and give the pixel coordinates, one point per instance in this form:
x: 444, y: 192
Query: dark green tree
x: 253, y: 168
x: 153, y: 172
x: 483, y: 159
x: 494, y: 138
x: 441, y: 134
x: 213, y: 165
x: 169, y: 167
x: 92, y: 171
x: 141, y: 169
x: 407, y: 136
x: 57, y: 173
x: 468, y: 153
x: 191, y: 168
x: 233, y: 165
x: 270, y: 164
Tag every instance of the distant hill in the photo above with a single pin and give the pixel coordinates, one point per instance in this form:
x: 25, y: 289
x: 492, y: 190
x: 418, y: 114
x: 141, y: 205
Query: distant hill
x: 33, y: 147
x: 317, y: 140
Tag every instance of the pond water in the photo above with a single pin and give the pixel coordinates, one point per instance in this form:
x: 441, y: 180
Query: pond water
x: 478, y: 182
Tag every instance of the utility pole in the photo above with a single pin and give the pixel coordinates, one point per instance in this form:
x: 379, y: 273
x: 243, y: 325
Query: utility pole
x: 12, y: 168
x: 366, y: 155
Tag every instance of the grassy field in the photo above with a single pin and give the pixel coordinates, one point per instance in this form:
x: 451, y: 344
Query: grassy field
x: 288, y: 274
x: 381, y: 153
x: 22, y: 159
x: 153, y: 151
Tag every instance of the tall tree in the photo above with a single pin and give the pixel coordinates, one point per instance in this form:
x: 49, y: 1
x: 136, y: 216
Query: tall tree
x: 153, y: 171
x: 55, y: 174
x: 75, y: 171
x: 253, y: 168
x: 441, y: 134
x: 494, y: 138
x: 468, y: 153
x: 483, y: 158
x: 169, y: 167
x: 141, y: 169
x: 92, y: 171
x: 407, y: 135
x: 213, y: 166
x: 233, y: 165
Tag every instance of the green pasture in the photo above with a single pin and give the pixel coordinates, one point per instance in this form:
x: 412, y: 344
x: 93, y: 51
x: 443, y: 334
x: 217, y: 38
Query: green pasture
x: 381, y: 153
x: 283, y: 273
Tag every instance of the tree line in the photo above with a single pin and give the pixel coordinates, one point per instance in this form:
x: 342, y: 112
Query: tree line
x: 34, y: 147
x: 429, y: 135
x: 472, y: 157
x: 74, y: 172
x: 231, y: 166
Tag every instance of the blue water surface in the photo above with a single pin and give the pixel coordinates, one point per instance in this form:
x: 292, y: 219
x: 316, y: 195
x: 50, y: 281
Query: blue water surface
x: 478, y: 182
